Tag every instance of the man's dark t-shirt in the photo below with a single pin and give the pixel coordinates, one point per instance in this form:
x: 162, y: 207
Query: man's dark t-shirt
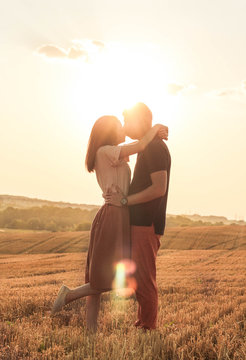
x: 155, y: 157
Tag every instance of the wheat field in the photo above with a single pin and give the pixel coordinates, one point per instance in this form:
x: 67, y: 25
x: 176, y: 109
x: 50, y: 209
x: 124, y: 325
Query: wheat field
x: 201, y: 314
x: 228, y: 237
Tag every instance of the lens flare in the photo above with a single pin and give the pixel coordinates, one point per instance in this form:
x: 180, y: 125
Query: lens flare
x: 124, y: 283
x: 120, y: 275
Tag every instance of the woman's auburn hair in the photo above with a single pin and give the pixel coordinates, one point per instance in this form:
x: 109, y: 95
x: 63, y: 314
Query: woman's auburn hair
x: 104, y: 132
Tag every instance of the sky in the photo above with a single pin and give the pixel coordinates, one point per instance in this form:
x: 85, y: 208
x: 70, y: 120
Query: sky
x: 63, y: 64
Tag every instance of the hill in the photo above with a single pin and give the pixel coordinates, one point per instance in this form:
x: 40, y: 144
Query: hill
x: 23, y: 202
x: 228, y: 237
x: 214, y: 219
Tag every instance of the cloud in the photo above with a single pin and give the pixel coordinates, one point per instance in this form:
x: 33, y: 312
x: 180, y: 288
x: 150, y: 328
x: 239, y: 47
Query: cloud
x: 98, y: 43
x: 84, y: 49
x: 52, y: 51
x: 175, y: 89
x: 233, y: 93
x: 75, y: 53
x: 227, y: 92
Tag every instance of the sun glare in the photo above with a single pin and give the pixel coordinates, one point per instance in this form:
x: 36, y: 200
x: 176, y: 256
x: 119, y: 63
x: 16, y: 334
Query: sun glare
x: 118, y: 77
x: 124, y: 282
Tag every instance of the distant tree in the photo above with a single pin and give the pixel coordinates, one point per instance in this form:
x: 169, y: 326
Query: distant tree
x: 35, y: 224
x: 15, y: 224
x: 8, y: 216
x: 220, y: 223
x: 51, y: 226
x: 83, y: 226
x: 47, y: 217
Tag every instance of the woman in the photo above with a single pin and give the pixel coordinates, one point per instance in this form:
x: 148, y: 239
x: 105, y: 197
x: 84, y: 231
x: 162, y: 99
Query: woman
x: 110, y: 231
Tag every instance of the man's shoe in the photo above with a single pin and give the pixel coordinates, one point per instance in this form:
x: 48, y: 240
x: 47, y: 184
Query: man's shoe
x: 60, y: 300
x: 137, y: 323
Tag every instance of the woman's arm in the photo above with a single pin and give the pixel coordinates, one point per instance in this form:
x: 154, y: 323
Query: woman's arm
x: 138, y: 146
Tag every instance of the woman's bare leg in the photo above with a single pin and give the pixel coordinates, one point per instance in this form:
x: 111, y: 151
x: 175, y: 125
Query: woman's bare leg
x: 92, y: 311
x: 92, y: 303
x: 81, y: 291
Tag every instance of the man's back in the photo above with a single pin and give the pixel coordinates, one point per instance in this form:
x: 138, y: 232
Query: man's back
x: 155, y: 157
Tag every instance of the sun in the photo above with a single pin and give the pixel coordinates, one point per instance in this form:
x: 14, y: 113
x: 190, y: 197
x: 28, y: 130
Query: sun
x: 119, y: 77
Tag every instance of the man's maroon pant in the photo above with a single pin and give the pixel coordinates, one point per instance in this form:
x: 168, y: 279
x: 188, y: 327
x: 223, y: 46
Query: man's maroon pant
x: 145, y: 244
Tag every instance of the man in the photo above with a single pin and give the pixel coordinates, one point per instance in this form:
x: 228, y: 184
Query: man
x: 147, y: 201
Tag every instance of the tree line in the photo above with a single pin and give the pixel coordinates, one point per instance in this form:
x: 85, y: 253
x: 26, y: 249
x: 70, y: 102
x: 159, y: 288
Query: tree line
x: 54, y: 218
x: 49, y: 218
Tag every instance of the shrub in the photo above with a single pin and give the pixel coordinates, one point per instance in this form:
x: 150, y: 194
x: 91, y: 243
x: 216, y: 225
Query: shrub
x: 83, y: 226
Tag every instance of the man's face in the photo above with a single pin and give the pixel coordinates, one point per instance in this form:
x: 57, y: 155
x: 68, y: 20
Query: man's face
x: 132, y: 125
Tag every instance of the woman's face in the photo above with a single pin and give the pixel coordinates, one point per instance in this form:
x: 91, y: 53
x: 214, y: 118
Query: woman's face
x: 120, y: 133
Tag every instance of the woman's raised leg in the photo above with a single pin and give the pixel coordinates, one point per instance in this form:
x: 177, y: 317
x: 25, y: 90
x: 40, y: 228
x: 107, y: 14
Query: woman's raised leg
x: 80, y: 291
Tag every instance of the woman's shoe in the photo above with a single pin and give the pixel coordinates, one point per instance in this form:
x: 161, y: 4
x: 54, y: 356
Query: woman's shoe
x: 60, y: 300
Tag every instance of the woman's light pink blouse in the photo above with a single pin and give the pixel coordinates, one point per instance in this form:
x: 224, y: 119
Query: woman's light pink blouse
x: 110, y: 170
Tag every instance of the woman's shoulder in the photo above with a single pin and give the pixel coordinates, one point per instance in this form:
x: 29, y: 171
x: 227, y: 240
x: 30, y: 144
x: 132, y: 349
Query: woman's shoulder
x: 111, y: 152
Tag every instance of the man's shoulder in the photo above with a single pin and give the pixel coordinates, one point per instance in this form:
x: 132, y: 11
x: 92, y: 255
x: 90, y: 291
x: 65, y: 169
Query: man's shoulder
x: 156, y: 145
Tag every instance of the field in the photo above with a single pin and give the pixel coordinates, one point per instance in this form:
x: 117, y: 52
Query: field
x: 202, y: 309
x: 228, y: 237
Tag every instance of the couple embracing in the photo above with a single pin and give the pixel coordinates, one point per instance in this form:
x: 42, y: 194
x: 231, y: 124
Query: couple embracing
x: 130, y: 223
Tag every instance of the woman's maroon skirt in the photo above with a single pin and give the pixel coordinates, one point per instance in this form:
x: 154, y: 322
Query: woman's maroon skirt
x: 110, y: 242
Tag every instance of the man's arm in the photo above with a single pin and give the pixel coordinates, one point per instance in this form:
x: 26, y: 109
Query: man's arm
x: 156, y: 190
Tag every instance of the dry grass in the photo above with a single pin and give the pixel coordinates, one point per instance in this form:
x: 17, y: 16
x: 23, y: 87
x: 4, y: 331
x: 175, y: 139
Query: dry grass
x: 228, y: 237
x: 202, y: 310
